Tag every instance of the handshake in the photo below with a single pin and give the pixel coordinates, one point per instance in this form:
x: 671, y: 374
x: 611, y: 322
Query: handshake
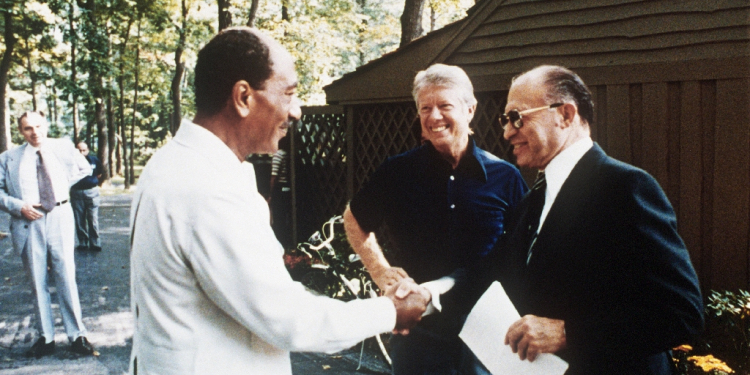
x: 410, y: 300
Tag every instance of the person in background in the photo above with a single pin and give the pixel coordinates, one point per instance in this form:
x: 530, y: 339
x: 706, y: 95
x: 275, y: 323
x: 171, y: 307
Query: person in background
x: 35, y: 179
x: 280, y: 197
x: 591, y: 257
x: 210, y: 292
x: 443, y: 205
x: 84, y: 197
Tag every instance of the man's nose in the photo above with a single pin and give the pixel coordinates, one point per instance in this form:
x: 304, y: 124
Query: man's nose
x: 295, y: 112
x: 509, y: 131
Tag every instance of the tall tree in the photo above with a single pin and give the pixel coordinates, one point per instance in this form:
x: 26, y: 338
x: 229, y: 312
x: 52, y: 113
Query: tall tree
x: 73, y: 36
x: 131, y: 173
x: 225, y: 16
x: 411, y: 21
x: 253, y: 11
x: 98, y: 68
x: 178, y: 73
x: 6, y: 8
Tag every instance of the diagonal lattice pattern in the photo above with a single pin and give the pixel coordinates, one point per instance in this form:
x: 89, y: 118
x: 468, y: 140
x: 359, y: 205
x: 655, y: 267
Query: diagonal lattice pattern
x: 379, y: 131
x: 320, y: 170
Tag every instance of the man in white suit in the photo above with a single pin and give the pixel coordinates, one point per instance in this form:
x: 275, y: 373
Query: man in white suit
x: 209, y: 289
x: 35, y: 180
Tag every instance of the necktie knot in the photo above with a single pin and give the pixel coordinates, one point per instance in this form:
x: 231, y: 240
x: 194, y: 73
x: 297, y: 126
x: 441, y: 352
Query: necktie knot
x: 540, y: 182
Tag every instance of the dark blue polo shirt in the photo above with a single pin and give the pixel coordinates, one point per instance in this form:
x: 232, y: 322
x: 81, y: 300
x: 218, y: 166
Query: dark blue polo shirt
x: 437, y: 218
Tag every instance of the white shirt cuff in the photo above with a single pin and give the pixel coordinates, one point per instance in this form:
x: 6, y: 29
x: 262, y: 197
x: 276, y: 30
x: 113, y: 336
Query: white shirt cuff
x: 436, y: 288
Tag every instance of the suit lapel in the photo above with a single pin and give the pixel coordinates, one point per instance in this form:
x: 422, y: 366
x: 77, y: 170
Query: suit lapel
x: 14, y: 164
x: 567, y: 208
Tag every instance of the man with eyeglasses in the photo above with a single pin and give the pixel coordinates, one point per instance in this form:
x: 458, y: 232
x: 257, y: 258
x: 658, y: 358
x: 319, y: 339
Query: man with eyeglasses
x: 591, y: 257
x: 35, y: 179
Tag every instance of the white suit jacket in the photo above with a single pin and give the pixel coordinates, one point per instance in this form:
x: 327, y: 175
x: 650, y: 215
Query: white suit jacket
x: 76, y: 167
x: 209, y: 289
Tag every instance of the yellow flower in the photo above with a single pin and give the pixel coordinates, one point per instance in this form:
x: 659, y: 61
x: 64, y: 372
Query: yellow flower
x: 709, y: 363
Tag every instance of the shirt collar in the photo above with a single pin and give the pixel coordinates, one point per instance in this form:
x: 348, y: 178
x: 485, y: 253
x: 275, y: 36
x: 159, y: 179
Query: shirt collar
x: 211, y: 146
x: 472, y: 163
x: 559, y: 168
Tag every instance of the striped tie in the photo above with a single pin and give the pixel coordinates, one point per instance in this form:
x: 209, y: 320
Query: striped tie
x: 535, y: 200
x: 46, y: 193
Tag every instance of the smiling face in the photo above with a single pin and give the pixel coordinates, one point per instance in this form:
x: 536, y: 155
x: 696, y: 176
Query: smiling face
x: 275, y: 104
x: 33, y: 127
x: 540, y: 138
x: 445, y: 119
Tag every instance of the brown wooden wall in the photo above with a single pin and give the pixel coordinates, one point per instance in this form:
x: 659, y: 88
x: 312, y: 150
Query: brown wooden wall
x: 694, y: 138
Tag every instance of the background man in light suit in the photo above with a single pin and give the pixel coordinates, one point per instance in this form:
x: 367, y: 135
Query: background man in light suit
x: 42, y: 226
x: 591, y: 257
x: 209, y: 289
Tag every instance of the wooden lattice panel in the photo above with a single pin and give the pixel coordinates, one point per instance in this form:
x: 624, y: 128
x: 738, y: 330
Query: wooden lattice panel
x: 381, y: 131
x: 320, y: 178
x: 487, y: 131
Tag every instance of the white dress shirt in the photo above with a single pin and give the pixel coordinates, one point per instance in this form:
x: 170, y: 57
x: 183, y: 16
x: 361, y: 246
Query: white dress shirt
x: 559, y: 169
x: 28, y: 175
x: 209, y: 288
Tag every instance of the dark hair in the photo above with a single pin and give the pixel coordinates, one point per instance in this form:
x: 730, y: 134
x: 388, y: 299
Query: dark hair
x: 235, y: 54
x: 564, y: 85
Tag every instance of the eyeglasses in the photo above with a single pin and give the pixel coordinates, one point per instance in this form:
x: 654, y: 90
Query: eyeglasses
x: 516, y: 118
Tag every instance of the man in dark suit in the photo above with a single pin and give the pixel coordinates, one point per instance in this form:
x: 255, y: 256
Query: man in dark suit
x: 591, y: 257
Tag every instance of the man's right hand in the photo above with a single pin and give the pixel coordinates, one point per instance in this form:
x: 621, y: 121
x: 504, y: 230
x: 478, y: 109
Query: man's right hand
x: 409, y: 308
x: 388, y: 276
x: 30, y: 213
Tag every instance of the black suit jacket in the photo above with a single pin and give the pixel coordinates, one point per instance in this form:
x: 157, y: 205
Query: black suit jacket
x: 609, y: 262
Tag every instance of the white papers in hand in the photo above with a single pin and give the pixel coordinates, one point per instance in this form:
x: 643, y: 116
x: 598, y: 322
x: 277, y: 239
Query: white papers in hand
x: 484, y: 333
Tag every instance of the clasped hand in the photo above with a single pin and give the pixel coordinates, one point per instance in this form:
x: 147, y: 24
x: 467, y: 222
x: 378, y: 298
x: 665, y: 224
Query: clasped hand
x: 410, y: 300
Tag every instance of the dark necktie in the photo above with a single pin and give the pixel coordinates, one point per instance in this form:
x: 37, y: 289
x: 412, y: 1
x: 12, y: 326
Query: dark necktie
x: 534, y: 211
x: 46, y: 193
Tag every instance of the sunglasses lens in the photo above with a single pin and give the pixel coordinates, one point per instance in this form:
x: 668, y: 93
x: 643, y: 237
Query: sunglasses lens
x: 504, y: 119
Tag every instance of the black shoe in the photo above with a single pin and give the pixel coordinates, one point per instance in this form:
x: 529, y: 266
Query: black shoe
x: 82, y: 346
x: 95, y: 248
x: 41, y: 348
x: 81, y: 248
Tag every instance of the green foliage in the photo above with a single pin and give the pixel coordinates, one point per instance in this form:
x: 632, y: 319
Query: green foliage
x: 728, y: 315
x: 328, y: 38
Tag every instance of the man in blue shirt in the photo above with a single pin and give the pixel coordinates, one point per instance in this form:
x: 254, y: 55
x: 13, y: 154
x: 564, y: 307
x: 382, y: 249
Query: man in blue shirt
x: 84, y: 197
x: 443, y: 205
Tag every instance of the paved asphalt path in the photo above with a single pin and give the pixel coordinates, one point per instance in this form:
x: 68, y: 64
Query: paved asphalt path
x: 103, y: 284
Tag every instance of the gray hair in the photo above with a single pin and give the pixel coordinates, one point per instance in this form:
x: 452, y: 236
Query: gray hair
x: 564, y: 85
x: 448, y: 76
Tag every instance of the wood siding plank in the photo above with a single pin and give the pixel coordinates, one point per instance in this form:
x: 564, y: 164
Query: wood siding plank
x: 691, y: 176
x: 618, y: 125
x: 654, y: 131
x: 506, y: 20
x: 732, y: 184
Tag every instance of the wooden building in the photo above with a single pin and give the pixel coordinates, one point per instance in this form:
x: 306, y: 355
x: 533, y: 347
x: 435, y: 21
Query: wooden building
x: 671, y: 84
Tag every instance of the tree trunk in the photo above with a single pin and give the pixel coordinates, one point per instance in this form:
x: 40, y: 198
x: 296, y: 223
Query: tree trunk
x: 411, y: 21
x: 10, y: 43
x: 121, y: 156
x: 122, y: 159
x: 253, y: 10
x: 111, y: 132
x: 225, y: 18
x: 179, y: 71
x: 32, y: 76
x: 74, y: 71
x: 131, y: 175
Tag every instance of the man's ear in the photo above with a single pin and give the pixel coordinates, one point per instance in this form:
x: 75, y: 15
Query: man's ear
x: 242, y: 98
x: 569, y: 112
